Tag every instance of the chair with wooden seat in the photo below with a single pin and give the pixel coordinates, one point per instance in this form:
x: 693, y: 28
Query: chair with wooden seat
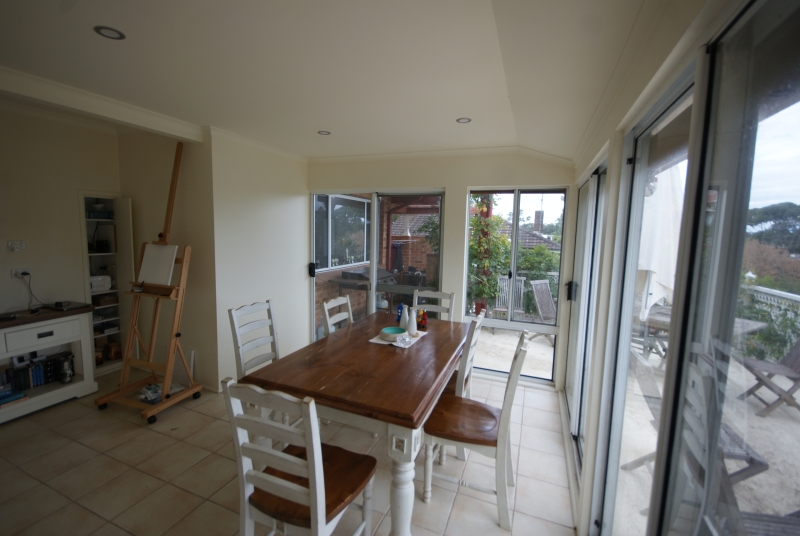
x: 307, y: 486
x: 345, y: 318
x: 255, y: 339
x: 432, y: 307
x: 462, y: 422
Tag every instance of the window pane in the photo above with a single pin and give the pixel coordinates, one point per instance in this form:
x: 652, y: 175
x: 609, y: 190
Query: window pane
x: 661, y: 155
x: 735, y: 456
x: 348, y: 221
x: 321, y: 231
x: 367, y: 242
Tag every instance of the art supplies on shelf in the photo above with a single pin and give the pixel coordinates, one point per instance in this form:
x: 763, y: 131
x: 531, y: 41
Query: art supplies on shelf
x: 151, y: 394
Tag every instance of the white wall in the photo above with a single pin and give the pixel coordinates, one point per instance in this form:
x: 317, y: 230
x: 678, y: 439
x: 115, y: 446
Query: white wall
x: 145, y: 164
x: 261, y: 233
x: 45, y: 159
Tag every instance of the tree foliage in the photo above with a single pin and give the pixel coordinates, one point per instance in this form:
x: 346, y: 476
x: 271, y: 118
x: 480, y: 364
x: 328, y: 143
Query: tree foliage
x: 777, y: 224
x: 431, y: 229
x: 773, y: 266
x: 489, y: 250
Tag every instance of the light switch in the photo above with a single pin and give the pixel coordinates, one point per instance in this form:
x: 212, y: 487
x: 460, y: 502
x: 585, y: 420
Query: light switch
x: 16, y: 245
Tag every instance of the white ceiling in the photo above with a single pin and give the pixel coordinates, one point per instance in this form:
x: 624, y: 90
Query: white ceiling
x: 383, y: 76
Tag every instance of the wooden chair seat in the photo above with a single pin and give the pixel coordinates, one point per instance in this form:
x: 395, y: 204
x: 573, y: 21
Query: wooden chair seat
x: 464, y: 420
x: 346, y: 475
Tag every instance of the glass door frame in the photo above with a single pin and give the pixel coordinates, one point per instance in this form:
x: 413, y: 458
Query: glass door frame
x: 615, y: 377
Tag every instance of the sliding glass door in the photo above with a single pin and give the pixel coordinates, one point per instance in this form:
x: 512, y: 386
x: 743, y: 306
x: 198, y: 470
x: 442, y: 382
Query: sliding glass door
x: 513, y: 271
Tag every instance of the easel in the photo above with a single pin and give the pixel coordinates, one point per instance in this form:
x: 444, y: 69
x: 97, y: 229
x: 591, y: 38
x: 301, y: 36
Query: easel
x: 158, y: 293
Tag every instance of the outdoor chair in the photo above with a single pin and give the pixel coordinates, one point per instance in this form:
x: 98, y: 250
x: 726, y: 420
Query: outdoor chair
x: 466, y: 423
x: 545, y: 306
x: 432, y: 294
x: 501, y: 303
x: 765, y: 371
x: 305, y: 487
x: 344, y: 317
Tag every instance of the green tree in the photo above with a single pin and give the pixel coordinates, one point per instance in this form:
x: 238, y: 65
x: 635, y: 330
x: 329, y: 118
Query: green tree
x: 536, y: 263
x: 431, y: 229
x: 777, y: 224
x: 489, y: 250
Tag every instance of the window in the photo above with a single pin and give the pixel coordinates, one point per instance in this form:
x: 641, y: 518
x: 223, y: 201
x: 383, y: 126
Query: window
x: 341, y: 230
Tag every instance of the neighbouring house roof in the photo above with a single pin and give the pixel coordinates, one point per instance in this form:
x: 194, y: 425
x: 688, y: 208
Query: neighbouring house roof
x: 530, y: 239
x: 415, y: 221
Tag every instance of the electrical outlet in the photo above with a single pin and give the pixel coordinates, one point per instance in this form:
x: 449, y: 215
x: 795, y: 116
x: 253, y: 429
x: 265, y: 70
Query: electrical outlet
x: 17, y: 272
x: 16, y: 245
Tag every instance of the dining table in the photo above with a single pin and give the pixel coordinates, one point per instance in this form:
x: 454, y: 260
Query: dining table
x: 378, y: 388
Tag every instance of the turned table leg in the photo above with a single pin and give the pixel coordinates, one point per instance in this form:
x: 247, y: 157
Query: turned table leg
x: 401, y: 497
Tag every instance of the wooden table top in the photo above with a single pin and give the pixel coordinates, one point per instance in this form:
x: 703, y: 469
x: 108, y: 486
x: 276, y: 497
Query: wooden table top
x: 347, y: 372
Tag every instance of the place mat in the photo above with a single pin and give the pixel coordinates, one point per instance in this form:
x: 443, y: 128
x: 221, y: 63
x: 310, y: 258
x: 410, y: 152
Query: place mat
x: 414, y: 340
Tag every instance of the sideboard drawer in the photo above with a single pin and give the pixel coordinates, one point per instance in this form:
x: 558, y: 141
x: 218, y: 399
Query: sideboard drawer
x: 51, y: 335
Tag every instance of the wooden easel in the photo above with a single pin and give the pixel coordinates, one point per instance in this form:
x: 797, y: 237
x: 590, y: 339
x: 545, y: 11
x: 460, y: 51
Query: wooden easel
x: 127, y: 393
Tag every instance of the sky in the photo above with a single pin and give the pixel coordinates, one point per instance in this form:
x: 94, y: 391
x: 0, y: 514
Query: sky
x: 776, y: 170
x: 552, y: 204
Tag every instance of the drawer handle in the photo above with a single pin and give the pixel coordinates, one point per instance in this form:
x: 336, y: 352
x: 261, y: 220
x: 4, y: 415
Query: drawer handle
x: 44, y: 334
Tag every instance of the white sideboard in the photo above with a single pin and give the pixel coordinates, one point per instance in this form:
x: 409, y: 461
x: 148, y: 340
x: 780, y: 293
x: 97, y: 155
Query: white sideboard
x: 46, y: 330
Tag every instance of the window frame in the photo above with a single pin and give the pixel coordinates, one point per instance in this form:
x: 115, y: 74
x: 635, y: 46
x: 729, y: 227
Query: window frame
x: 329, y: 231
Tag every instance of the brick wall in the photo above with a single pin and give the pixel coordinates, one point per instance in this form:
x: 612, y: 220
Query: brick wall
x: 325, y: 290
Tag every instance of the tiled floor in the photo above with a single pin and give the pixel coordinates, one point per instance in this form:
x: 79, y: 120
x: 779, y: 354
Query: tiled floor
x: 72, y: 469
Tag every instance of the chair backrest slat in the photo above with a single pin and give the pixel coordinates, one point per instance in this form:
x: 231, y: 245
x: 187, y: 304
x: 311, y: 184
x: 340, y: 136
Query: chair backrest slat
x: 265, y: 336
x: 432, y: 294
x: 271, y: 399
x: 346, y: 316
x: 271, y: 429
x: 280, y: 487
x: 468, y: 354
x: 544, y: 300
x: 276, y: 459
x: 511, y: 389
x: 501, y: 302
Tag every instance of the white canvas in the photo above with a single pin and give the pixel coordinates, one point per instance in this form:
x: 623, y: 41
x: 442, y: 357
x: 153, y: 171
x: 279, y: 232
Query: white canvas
x: 157, y: 264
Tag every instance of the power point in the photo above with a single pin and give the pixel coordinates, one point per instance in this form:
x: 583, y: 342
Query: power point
x: 16, y: 245
x: 17, y: 272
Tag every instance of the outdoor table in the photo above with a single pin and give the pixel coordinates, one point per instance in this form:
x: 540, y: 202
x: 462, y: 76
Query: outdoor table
x: 374, y: 387
x: 659, y: 318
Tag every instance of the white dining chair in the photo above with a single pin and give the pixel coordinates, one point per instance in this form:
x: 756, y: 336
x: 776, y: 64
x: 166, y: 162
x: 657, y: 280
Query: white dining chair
x: 459, y: 384
x: 345, y: 317
x: 462, y: 422
x: 432, y: 294
x: 307, y: 486
x: 255, y: 338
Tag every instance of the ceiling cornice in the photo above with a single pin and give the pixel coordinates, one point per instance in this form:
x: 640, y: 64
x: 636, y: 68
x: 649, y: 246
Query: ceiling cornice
x: 53, y: 93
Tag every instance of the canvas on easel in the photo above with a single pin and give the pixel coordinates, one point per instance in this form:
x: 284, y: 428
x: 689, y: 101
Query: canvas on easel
x: 157, y: 264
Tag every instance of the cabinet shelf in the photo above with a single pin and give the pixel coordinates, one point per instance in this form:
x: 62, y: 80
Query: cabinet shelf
x: 105, y: 292
x: 101, y: 320
x: 102, y: 254
x: 96, y: 307
x: 107, y: 334
x: 100, y: 220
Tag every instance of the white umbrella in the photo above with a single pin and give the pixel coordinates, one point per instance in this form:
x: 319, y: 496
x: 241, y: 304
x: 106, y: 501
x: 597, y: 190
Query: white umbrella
x: 658, y: 246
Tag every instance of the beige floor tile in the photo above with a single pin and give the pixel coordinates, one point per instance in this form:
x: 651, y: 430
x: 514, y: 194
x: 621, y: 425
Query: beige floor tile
x: 120, y: 493
x: 207, y: 476
x: 515, y: 431
x: 72, y: 519
x: 162, y: 417
x: 212, y: 436
x: 473, y: 517
x: 227, y: 450
x: 155, y: 514
x: 17, y: 430
x: 5, y: 465
x: 86, y: 424
x: 541, y: 399
x: 386, y: 526
x: 485, y: 460
x: 228, y: 496
x: 87, y: 476
x: 542, y: 440
x: 141, y: 448
x: 380, y: 492
x: 380, y: 451
x: 516, y: 414
x: 540, y: 418
x: 453, y: 468
x: 483, y: 476
x: 183, y: 425
x: 60, y: 414
x: 496, y: 392
x: 544, y: 500
x: 353, y: 440
x: 433, y: 515
x: 173, y: 461
x: 213, y: 407
x: 15, y: 482
x: 26, y: 508
x: 54, y: 463
x: 525, y: 525
x: 480, y: 389
x: 110, y: 436
x: 352, y: 519
x: 208, y: 518
x: 543, y: 466
x: 31, y: 447
x: 192, y: 402
x: 109, y: 529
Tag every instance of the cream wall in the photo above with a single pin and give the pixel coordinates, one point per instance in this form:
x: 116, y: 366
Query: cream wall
x: 145, y: 164
x: 455, y: 175
x: 261, y: 232
x: 45, y: 159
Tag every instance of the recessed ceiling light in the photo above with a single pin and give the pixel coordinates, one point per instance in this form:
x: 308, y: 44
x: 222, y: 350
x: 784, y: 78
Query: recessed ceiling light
x: 110, y: 33
x: 463, y: 120
x: 323, y: 133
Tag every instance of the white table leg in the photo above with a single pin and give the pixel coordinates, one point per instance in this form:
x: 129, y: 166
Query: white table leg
x: 401, y: 497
